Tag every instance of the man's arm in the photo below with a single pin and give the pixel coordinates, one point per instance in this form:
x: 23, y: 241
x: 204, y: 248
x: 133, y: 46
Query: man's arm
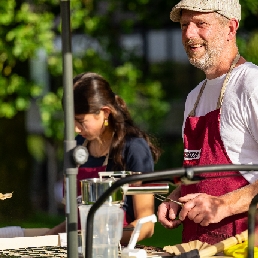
x: 240, y: 199
x: 206, y: 209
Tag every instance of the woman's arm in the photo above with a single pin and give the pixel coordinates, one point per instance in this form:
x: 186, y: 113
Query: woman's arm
x: 60, y: 228
x: 138, y: 158
x: 143, y: 205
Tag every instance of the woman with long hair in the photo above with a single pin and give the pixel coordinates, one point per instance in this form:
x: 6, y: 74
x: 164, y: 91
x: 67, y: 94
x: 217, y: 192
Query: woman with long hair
x: 105, y: 127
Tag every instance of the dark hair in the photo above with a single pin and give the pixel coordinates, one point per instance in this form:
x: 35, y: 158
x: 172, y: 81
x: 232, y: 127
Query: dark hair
x: 91, y: 93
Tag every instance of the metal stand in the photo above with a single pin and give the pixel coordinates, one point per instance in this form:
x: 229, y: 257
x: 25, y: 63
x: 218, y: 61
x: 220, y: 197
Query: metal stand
x: 70, y: 168
x: 154, y: 176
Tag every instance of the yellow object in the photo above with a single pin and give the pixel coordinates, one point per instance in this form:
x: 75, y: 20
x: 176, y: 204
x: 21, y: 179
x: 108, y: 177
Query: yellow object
x: 224, y: 244
x: 240, y: 250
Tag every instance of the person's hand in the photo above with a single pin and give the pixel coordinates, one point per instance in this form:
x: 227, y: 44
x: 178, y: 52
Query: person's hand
x: 203, y: 209
x: 167, y: 212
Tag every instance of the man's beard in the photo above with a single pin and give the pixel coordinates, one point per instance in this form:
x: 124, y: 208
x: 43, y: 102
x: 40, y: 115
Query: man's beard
x: 203, y: 62
x: 207, y: 59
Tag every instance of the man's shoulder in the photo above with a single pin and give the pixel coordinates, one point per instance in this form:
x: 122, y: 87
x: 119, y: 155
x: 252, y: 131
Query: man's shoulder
x: 242, y: 84
x: 251, y: 65
x: 248, y: 69
x: 245, y: 76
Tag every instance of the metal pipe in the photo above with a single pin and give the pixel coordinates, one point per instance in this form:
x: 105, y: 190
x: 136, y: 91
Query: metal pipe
x: 159, y: 188
x: 70, y: 169
x: 251, y: 226
x: 158, y: 175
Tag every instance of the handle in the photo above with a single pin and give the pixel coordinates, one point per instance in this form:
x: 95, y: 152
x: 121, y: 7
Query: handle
x: 219, y: 247
x: 113, y: 174
x: 137, y: 229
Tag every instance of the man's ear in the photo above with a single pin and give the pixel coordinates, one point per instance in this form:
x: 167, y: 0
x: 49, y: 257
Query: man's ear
x: 233, y: 27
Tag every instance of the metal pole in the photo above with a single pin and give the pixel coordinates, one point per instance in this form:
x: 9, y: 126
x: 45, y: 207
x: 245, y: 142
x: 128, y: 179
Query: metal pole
x: 70, y: 169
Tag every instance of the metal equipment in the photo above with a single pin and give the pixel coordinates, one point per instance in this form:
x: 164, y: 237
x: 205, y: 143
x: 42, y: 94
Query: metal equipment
x: 188, y: 172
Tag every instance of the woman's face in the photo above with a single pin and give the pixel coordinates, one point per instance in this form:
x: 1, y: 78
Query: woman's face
x: 90, y: 126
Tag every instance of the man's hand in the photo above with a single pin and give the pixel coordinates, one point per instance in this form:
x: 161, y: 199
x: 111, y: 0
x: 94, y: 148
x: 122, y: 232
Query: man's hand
x: 167, y: 215
x: 203, y: 209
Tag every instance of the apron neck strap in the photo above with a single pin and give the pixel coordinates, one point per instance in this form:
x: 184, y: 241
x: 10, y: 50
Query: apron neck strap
x: 85, y: 143
x: 223, y: 89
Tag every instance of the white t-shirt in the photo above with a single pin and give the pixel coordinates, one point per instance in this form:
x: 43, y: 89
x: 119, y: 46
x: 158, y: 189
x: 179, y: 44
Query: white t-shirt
x: 239, y: 113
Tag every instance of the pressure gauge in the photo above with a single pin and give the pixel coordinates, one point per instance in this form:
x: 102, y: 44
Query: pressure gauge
x: 80, y: 155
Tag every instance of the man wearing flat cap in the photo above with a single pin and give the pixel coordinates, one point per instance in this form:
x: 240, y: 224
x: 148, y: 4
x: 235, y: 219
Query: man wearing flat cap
x: 220, y: 124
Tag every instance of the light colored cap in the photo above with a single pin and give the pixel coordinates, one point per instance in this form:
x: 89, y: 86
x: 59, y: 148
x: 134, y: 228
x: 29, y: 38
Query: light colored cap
x: 228, y: 8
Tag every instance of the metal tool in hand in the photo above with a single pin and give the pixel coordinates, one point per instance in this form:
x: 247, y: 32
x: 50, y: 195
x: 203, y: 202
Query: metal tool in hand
x: 166, y: 199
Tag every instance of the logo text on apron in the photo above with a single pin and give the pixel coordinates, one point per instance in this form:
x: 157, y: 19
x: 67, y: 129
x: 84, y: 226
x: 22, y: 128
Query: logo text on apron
x: 192, y: 154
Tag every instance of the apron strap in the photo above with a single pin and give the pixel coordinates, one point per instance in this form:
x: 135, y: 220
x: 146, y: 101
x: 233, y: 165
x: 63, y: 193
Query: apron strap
x: 192, y: 113
x: 85, y: 143
x: 223, y: 89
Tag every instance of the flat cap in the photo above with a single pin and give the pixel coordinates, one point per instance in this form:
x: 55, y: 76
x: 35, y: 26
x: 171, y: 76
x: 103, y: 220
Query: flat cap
x: 228, y: 8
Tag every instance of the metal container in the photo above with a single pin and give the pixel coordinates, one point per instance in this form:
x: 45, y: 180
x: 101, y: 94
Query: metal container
x: 93, y: 188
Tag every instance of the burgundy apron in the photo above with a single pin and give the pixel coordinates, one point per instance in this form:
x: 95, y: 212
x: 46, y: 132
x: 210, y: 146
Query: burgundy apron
x: 203, y: 146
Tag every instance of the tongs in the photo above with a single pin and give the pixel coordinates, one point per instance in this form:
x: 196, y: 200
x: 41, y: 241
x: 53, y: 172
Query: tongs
x: 166, y: 199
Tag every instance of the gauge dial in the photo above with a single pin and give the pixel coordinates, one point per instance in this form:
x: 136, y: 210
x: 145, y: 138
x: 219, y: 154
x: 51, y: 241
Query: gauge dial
x: 80, y: 155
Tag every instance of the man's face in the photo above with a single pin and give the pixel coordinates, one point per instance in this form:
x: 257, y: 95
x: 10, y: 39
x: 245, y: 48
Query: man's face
x: 204, y: 37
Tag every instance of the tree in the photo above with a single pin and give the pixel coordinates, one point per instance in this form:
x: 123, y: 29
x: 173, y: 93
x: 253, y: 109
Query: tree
x: 22, y: 32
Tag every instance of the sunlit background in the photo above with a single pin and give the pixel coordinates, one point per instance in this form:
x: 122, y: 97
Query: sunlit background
x: 132, y: 43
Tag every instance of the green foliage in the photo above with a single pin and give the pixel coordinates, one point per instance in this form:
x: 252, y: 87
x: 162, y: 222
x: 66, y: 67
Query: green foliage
x: 249, y: 7
x: 248, y: 47
x: 7, y: 12
x: 36, y: 220
x: 22, y: 31
x: 52, y: 115
x: 27, y: 26
x: 163, y: 236
x: 36, y: 146
x: 249, y: 42
x: 141, y: 96
x: 15, y: 93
